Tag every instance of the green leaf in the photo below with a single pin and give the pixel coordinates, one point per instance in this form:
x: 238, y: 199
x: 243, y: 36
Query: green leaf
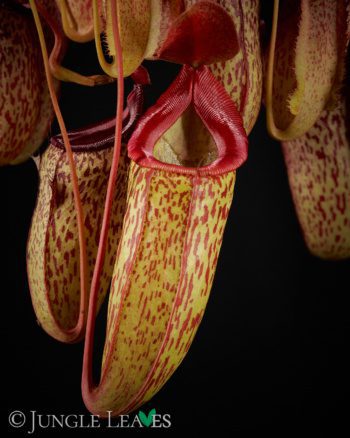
x: 147, y: 420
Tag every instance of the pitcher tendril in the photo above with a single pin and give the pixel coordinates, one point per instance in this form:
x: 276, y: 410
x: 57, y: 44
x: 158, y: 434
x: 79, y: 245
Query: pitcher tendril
x: 87, y: 384
x: 135, y: 207
x: 75, y: 334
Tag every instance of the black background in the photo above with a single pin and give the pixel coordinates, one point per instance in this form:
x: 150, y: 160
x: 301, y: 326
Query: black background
x: 271, y: 355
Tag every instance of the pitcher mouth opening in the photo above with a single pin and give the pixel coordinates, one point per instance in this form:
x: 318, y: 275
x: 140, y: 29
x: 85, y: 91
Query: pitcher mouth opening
x: 195, y: 101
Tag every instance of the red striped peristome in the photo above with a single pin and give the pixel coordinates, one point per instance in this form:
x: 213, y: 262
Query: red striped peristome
x: 53, y: 246
x: 196, y: 88
x: 241, y: 75
x: 169, y: 247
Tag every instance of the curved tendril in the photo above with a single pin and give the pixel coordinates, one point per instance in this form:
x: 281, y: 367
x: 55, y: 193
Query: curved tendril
x: 76, y: 333
x: 88, y: 386
x: 58, y: 71
x: 70, y: 26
